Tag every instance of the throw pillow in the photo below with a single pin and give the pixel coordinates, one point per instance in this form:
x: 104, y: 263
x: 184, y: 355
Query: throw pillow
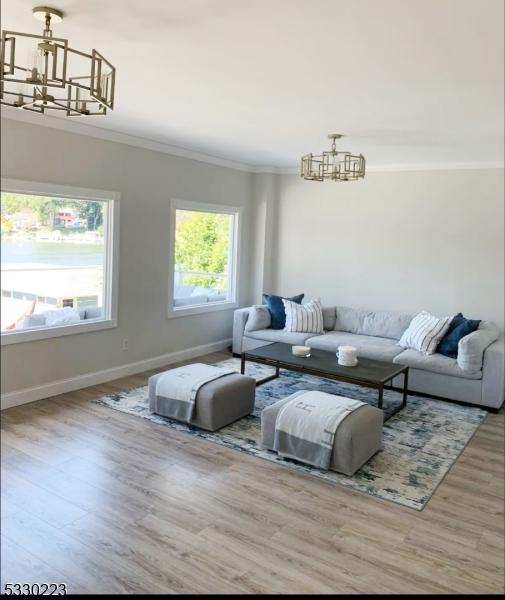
x: 458, y: 328
x: 425, y: 332
x: 259, y: 318
x: 276, y: 308
x: 303, y: 318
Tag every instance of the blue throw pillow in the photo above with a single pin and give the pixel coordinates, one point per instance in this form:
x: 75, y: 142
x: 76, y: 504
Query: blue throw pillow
x: 276, y: 308
x: 458, y: 328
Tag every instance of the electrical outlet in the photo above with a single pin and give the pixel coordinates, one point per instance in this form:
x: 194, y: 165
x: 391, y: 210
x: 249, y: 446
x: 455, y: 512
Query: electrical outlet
x: 125, y: 344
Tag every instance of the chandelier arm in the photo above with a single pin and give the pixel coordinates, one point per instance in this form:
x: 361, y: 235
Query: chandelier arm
x: 49, y: 70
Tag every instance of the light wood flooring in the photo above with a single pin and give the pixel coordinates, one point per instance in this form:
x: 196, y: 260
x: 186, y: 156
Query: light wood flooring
x: 108, y: 502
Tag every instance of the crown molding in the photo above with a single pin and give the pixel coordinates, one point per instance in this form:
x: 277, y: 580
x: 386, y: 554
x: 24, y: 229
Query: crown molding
x: 439, y: 166
x: 74, y: 126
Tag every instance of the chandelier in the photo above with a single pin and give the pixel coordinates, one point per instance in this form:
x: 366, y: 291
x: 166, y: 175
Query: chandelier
x: 332, y: 164
x: 41, y: 72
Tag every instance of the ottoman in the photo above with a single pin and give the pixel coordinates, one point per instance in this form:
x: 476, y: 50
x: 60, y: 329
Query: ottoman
x: 357, y: 438
x: 218, y: 403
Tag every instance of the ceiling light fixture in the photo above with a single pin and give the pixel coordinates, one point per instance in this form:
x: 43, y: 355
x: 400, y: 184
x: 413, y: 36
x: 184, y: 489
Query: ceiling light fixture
x: 47, y: 66
x: 332, y: 164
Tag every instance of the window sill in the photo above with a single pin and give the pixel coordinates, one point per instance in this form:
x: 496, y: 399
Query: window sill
x: 42, y: 333
x: 198, y: 309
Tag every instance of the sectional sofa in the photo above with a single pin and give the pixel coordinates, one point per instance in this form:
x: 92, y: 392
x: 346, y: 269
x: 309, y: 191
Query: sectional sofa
x: 477, y: 376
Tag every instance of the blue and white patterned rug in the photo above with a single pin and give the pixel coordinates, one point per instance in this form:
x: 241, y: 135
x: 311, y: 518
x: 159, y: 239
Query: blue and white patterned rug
x: 420, y: 442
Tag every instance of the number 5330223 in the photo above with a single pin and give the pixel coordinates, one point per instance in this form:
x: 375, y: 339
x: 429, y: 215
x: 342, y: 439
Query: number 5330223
x: 35, y: 589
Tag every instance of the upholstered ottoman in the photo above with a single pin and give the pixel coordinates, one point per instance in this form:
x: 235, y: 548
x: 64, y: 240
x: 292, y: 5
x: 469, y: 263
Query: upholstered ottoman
x: 218, y: 403
x: 357, y: 438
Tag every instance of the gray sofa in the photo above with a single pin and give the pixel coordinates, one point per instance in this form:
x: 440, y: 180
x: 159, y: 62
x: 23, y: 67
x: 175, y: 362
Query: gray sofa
x: 477, y: 376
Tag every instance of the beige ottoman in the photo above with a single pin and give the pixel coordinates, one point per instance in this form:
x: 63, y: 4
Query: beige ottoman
x: 357, y: 439
x: 218, y: 403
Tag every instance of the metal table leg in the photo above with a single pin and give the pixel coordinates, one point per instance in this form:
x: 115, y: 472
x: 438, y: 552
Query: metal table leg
x: 405, y: 387
x: 381, y: 395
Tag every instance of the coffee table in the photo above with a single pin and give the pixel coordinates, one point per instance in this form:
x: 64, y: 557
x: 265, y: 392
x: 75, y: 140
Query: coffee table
x: 368, y: 373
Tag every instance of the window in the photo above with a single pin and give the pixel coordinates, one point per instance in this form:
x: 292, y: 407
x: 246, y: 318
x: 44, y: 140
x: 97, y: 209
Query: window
x: 203, y: 257
x: 58, y: 255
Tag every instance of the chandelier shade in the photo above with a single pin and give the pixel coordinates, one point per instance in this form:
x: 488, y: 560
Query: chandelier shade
x: 333, y: 165
x: 41, y: 72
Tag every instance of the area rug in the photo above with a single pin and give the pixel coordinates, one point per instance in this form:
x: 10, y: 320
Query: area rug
x: 420, y: 442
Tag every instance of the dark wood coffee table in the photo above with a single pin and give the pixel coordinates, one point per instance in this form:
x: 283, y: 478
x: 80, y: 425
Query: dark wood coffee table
x: 368, y: 373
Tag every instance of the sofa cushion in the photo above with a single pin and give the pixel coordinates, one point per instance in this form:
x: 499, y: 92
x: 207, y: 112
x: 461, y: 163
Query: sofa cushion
x: 367, y: 346
x: 329, y: 317
x: 259, y: 318
x: 32, y: 321
x: 217, y: 297
x: 202, y: 291
x: 278, y: 335
x: 190, y: 300
x: 436, y: 363
x: 183, y: 290
x: 61, y: 316
x: 471, y: 347
x: 379, y: 323
x: 276, y: 308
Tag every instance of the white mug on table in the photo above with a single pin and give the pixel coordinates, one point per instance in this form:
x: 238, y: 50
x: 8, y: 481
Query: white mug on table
x: 347, y: 356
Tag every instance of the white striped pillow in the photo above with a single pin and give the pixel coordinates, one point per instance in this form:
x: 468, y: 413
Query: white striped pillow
x: 425, y: 332
x: 303, y: 318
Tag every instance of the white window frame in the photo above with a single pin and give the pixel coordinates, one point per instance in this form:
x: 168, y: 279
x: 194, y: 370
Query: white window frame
x: 111, y: 264
x: 233, y: 258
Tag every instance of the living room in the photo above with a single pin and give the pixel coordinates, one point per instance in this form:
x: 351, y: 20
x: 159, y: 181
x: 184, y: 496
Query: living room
x: 282, y: 239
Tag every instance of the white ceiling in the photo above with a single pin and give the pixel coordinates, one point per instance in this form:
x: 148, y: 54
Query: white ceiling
x: 264, y: 81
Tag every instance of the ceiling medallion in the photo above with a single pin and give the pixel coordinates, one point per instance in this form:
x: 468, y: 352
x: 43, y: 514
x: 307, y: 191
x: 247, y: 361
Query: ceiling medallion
x: 333, y: 165
x: 41, y: 72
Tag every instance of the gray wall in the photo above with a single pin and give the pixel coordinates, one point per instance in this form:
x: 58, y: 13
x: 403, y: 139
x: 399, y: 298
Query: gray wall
x: 147, y: 181
x: 404, y: 241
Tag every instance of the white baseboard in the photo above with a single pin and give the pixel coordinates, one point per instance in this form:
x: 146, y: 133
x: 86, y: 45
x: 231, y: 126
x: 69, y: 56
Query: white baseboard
x: 71, y: 384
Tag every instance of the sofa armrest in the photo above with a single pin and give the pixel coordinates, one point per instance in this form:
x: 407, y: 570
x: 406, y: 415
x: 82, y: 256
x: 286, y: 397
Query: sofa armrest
x: 240, y: 317
x: 471, y: 347
x: 493, y: 375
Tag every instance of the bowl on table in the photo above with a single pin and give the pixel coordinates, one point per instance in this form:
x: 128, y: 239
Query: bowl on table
x: 303, y: 351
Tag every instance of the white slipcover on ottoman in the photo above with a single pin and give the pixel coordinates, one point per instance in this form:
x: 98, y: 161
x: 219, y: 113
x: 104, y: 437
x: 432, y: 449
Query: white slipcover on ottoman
x: 357, y: 439
x: 218, y: 403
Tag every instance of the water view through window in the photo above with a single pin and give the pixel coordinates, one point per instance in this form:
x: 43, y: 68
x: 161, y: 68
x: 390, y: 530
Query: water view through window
x: 52, y: 261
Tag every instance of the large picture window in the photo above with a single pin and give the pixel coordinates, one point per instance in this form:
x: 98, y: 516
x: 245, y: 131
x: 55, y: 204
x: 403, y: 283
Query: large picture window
x: 204, y: 256
x: 57, y: 260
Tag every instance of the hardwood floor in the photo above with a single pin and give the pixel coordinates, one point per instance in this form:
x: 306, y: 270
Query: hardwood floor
x: 107, y: 502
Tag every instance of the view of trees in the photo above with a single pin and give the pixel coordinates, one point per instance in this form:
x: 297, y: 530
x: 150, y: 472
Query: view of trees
x: 201, y: 244
x: 45, y: 209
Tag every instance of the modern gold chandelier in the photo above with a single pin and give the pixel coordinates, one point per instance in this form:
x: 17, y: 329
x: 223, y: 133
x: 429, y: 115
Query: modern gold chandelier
x: 333, y: 165
x: 54, y: 76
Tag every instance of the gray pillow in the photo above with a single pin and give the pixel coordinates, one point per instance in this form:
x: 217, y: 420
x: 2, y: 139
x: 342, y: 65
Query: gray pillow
x: 329, y: 317
x: 259, y: 318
